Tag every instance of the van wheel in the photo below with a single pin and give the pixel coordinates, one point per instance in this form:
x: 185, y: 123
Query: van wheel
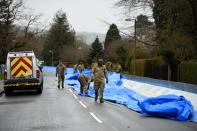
x: 39, y: 90
x: 8, y: 92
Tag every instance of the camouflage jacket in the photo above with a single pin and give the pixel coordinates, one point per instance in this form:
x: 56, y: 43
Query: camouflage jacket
x: 60, y: 70
x: 100, y: 73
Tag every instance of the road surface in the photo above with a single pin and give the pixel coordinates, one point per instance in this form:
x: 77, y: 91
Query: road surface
x: 63, y: 110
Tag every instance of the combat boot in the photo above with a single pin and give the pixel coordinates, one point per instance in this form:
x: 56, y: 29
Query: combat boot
x: 96, y: 98
x: 96, y: 95
x: 81, y: 89
x: 101, y: 101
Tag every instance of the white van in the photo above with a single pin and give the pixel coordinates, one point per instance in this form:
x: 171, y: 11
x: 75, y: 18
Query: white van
x: 22, y: 72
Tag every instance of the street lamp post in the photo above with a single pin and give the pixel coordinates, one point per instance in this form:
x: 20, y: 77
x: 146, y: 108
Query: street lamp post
x: 51, y: 57
x: 135, y: 37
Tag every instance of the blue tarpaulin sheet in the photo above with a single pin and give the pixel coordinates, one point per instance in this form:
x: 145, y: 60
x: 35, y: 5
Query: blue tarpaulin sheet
x: 168, y: 106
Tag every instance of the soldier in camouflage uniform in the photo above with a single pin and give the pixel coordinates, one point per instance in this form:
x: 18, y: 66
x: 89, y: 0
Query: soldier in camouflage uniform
x: 80, y: 68
x: 83, y: 79
x: 84, y: 83
x: 94, y: 64
x: 118, y: 68
x: 75, y: 68
x: 99, y: 75
x: 108, y: 65
x: 60, y: 73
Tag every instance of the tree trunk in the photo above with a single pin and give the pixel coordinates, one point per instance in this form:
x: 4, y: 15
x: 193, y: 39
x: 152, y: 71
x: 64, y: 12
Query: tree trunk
x: 169, y: 72
x: 178, y: 72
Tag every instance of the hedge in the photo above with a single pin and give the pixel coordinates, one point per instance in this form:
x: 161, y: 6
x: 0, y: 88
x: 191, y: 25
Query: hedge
x: 156, y: 68
x: 140, y: 67
x: 188, y: 72
x: 153, y: 68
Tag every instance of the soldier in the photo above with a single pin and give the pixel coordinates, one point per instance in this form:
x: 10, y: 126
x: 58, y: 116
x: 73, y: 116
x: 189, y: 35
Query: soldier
x: 108, y: 65
x: 60, y: 73
x: 99, y: 75
x: 118, y: 68
x: 78, y: 67
x: 75, y: 68
x: 84, y: 83
x: 94, y: 64
x: 81, y: 67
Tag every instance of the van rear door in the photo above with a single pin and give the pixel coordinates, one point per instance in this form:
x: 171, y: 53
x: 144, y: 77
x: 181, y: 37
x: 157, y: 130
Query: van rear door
x: 21, y: 67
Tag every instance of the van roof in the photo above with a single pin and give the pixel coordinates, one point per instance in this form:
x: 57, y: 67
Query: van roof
x: 20, y: 52
x: 13, y: 54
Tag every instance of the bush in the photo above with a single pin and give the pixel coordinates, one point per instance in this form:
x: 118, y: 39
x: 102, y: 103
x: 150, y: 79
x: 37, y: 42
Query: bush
x: 154, y: 68
x: 121, y: 55
x: 188, y: 72
x: 144, y: 53
x: 140, y: 66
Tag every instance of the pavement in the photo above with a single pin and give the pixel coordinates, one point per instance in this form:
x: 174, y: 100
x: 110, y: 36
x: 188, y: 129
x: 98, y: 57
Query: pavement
x: 1, y: 87
x: 62, y: 109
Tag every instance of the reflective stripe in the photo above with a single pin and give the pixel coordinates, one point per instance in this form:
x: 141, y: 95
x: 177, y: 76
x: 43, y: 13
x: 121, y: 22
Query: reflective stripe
x: 14, y: 61
x: 21, y: 84
x: 21, y: 66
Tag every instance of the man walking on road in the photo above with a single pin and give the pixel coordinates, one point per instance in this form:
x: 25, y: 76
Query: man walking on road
x: 99, y: 75
x: 60, y: 73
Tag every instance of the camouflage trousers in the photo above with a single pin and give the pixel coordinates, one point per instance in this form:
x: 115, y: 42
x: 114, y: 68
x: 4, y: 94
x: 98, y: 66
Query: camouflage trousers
x: 99, y: 89
x: 61, y: 80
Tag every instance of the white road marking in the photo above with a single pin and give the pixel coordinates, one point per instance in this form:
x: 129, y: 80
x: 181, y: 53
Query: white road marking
x: 70, y: 90
x: 96, y: 118
x: 75, y: 96
x: 82, y: 104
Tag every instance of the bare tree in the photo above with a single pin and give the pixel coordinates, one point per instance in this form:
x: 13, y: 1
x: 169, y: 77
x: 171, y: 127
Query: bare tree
x: 129, y: 4
x: 133, y: 7
x: 17, y: 26
x: 30, y: 20
x: 10, y: 11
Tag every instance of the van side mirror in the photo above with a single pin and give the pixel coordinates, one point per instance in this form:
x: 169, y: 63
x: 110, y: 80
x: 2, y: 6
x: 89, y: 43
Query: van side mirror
x: 40, y: 67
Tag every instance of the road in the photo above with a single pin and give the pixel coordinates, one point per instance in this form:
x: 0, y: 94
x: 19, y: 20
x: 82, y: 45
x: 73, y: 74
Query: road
x: 63, y: 110
x: 1, y: 87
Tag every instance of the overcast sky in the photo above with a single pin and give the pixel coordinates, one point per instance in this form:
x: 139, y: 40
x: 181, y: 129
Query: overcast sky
x: 83, y: 15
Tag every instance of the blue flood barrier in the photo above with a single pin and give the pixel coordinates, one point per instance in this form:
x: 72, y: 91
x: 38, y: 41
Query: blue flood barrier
x: 170, y: 106
x: 49, y: 68
x: 163, y: 83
